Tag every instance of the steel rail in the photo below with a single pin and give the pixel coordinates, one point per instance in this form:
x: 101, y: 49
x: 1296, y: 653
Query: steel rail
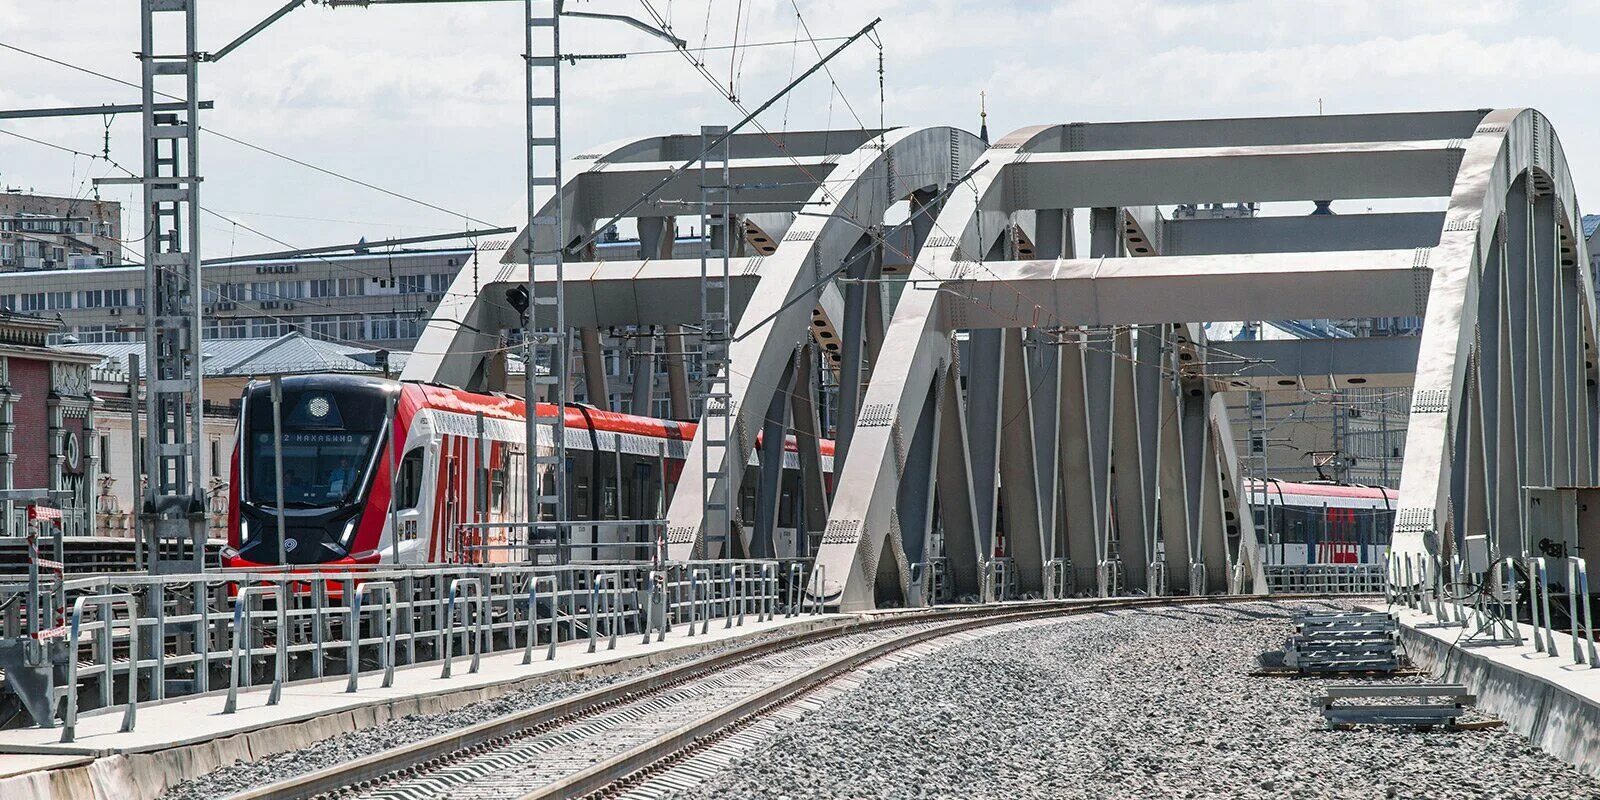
x: 437, y: 751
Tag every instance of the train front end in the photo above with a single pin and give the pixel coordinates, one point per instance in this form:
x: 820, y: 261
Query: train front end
x: 332, y: 429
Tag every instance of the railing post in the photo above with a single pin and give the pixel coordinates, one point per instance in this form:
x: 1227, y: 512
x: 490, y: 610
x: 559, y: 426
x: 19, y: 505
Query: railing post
x: 386, y: 590
x: 1578, y: 589
x: 241, y: 628
x: 108, y: 602
x: 1539, y: 603
x: 615, y: 609
x: 463, y: 591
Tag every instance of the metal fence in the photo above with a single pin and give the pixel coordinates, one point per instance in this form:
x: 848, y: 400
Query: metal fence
x: 128, y: 639
x: 1324, y: 578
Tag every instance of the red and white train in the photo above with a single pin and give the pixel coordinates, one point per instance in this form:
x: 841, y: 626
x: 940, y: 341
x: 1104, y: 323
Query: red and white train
x: 1321, y: 523
x: 339, y: 475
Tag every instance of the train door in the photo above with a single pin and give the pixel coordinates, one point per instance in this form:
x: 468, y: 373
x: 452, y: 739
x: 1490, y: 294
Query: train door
x: 408, y: 507
x: 450, y: 508
x: 786, y: 534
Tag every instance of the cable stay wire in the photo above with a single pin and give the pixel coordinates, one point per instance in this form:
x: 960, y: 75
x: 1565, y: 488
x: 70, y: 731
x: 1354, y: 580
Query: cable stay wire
x: 253, y: 146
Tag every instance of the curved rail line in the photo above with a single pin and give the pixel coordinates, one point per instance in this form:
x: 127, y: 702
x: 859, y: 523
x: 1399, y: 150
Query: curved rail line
x: 418, y: 761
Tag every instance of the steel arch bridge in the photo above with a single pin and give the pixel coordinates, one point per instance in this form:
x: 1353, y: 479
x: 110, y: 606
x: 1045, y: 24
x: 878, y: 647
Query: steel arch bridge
x: 1025, y: 404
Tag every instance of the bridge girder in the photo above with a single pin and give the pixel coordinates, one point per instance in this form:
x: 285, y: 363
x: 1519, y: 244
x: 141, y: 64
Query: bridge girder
x: 1248, y: 270
x: 1065, y: 412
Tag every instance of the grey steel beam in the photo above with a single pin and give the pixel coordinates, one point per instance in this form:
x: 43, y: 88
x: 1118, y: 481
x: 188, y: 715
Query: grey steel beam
x: 1044, y: 401
x: 1301, y: 234
x: 958, y: 512
x: 914, y: 500
x: 854, y: 197
x: 1172, y: 475
x: 1017, y: 468
x: 644, y: 373
x: 812, y: 505
x: 1079, y: 514
x: 1350, y: 170
x: 97, y: 111
x: 1259, y: 131
x: 592, y: 352
x: 677, y: 362
x: 761, y: 541
x: 1133, y: 531
x: 984, y: 364
x: 1127, y: 291
x: 1313, y: 364
x: 866, y: 265
x: 1148, y: 387
x: 1101, y: 398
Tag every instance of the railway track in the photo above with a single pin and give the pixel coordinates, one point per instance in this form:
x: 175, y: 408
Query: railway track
x: 611, y: 740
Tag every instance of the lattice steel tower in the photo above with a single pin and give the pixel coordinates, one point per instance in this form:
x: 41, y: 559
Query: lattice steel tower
x: 174, y: 495
x: 546, y: 245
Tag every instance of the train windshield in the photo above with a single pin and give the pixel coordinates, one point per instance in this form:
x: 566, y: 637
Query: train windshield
x: 320, y: 468
x: 327, y: 444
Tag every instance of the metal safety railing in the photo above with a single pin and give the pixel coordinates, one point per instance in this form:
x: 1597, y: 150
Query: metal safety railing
x: 175, y: 634
x: 1324, y: 578
x: 1492, y: 598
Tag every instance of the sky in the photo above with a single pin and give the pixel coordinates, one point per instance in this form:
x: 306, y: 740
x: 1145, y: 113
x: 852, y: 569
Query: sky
x: 425, y: 100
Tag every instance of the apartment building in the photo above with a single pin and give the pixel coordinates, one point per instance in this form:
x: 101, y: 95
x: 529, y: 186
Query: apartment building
x: 378, y: 300
x: 43, y: 232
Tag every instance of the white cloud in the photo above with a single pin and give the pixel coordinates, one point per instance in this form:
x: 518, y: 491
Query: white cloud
x: 427, y: 100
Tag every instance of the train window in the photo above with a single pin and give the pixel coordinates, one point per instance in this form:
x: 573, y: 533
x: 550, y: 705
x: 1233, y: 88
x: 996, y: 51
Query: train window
x: 497, y: 490
x: 786, y: 509
x: 644, y: 492
x: 747, y: 502
x: 608, y: 497
x: 408, y: 481
x: 581, y: 494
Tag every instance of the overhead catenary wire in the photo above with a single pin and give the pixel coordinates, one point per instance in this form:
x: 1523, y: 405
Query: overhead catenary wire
x: 259, y: 148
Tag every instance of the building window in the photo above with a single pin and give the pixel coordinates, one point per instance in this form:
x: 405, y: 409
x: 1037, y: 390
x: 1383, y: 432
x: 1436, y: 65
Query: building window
x: 92, y: 298
x: 382, y: 327
x: 440, y: 281
x: 324, y: 288
x: 351, y: 328
x: 33, y: 301
x: 413, y: 284
x: 60, y: 300
x: 352, y: 287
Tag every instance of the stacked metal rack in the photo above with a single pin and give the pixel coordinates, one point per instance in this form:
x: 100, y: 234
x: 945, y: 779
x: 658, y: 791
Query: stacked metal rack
x: 1335, y: 642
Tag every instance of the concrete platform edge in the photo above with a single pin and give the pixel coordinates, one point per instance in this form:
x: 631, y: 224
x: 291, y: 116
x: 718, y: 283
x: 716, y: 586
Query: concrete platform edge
x: 149, y: 774
x: 1556, y: 719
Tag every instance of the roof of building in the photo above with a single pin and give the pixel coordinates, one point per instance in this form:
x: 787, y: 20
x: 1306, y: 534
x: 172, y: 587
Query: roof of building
x: 1590, y: 222
x: 329, y: 259
x: 291, y: 354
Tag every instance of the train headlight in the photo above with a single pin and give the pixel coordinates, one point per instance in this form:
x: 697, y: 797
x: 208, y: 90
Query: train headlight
x: 349, y: 531
x: 244, y: 531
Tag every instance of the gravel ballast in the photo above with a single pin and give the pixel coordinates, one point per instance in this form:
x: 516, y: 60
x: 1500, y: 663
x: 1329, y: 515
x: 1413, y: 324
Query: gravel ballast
x: 237, y: 777
x: 1143, y: 704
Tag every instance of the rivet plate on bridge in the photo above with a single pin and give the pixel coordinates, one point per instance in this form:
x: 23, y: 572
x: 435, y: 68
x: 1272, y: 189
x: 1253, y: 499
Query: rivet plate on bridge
x: 1418, y: 519
x: 842, y: 531
x: 876, y: 415
x: 1430, y: 401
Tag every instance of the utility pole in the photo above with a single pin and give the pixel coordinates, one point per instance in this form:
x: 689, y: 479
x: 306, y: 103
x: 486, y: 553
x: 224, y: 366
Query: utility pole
x: 717, y: 312
x: 545, y: 248
x: 173, y: 507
